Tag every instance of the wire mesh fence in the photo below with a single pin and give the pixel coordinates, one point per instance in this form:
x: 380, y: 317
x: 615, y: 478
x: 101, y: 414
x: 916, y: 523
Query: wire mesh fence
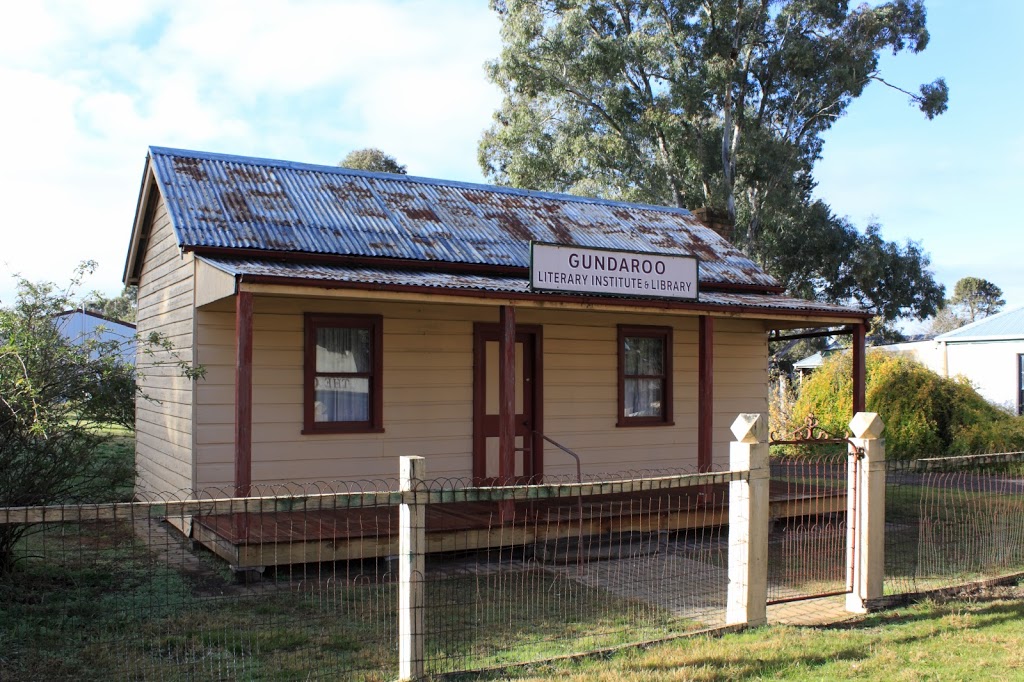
x: 301, y: 582
x: 953, y: 521
x: 567, y: 574
x: 120, y: 592
x: 808, y: 553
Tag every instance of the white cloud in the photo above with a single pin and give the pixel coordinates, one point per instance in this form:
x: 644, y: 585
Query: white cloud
x: 282, y: 47
x: 89, y: 85
x: 28, y: 30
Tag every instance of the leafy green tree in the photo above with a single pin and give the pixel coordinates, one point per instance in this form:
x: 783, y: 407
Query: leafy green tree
x: 976, y: 298
x: 123, y: 307
x: 55, y: 395
x: 720, y: 103
x: 372, y: 159
x: 973, y: 298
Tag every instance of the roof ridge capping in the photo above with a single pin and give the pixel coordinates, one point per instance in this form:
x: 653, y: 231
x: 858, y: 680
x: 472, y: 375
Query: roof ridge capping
x: 221, y: 204
x: 341, y: 170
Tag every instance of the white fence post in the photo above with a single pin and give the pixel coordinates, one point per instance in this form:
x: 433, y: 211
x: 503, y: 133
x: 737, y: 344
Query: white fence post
x: 866, y: 518
x: 412, y: 545
x: 748, y: 523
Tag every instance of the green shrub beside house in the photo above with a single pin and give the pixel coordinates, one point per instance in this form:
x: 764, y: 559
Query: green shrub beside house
x: 925, y: 414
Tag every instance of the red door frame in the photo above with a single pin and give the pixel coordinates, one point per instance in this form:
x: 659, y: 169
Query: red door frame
x: 531, y: 337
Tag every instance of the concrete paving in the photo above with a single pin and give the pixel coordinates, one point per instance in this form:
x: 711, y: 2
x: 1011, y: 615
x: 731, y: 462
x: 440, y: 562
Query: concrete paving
x: 690, y: 585
x: 823, y: 611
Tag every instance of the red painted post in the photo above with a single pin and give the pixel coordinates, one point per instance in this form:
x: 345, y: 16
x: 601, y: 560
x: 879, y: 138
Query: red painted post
x: 507, y: 404
x: 705, y: 391
x: 243, y: 393
x: 859, y: 372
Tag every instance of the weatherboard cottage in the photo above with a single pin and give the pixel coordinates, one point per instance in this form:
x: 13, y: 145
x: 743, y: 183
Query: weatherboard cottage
x: 347, y: 318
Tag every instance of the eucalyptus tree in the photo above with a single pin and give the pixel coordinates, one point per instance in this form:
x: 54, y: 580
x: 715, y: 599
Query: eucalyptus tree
x: 719, y: 103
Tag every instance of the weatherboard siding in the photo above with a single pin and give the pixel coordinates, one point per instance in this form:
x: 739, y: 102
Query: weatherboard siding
x: 163, y: 442
x: 991, y: 367
x: 428, y: 395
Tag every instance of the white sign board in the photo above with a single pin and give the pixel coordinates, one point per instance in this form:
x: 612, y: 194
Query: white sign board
x: 556, y: 267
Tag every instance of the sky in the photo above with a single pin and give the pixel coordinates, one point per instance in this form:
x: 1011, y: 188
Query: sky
x: 89, y: 85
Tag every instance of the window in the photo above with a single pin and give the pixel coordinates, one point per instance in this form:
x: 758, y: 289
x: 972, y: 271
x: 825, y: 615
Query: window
x: 645, y: 376
x: 342, y: 391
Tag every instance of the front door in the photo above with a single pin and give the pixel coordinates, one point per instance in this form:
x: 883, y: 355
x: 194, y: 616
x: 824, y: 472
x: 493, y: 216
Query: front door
x: 529, y: 460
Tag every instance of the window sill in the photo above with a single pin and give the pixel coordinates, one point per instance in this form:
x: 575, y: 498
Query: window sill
x: 633, y: 424
x: 334, y: 430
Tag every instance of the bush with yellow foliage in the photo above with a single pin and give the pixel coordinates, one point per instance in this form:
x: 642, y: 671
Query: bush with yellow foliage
x: 925, y: 414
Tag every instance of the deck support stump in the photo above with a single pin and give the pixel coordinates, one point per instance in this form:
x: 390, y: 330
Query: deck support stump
x: 866, y: 525
x: 748, y: 523
x: 412, y: 547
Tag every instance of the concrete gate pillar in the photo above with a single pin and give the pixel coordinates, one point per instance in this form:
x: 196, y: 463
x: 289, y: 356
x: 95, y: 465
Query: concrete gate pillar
x: 865, y: 525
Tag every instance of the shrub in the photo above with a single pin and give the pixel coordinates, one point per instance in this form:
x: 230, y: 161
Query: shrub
x: 925, y: 414
x: 55, y: 398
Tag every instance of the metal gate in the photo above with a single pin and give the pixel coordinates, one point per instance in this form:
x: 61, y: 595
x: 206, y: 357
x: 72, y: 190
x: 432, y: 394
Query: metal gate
x: 812, y: 500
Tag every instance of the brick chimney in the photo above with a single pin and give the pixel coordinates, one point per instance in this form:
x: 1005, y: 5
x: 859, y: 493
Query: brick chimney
x: 717, y: 219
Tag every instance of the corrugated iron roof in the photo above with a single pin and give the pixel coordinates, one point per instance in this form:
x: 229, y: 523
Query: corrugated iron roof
x: 506, y: 284
x: 1008, y: 324
x: 238, y: 202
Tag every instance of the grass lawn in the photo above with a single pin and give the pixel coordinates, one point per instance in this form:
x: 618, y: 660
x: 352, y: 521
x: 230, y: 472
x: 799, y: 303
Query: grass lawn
x: 99, y: 601
x: 93, y: 602
x: 963, y: 640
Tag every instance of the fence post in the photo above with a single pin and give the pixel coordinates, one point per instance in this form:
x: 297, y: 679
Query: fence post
x: 748, y: 523
x: 412, y: 545
x: 866, y: 526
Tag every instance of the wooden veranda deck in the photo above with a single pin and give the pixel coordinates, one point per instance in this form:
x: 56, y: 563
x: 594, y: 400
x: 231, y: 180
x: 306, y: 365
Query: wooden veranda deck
x: 296, y: 537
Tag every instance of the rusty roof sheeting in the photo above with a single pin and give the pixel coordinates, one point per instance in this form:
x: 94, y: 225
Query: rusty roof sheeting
x: 506, y: 284
x: 237, y: 202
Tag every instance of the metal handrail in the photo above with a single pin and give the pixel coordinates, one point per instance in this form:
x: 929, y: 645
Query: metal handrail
x: 579, y: 497
x: 579, y: 470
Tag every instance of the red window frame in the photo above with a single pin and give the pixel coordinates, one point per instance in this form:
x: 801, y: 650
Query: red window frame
x: 373, y: 323
x: 667, y: 414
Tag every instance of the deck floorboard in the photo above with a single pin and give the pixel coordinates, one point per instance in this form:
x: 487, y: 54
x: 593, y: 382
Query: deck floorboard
x: 560, y: 516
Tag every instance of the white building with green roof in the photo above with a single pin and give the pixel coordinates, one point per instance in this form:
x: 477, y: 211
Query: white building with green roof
x: 989, y: 352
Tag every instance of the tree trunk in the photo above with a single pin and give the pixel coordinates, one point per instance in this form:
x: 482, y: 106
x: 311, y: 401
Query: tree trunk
x: 727, y: 156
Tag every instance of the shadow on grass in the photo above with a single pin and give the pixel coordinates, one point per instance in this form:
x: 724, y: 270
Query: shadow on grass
x: 782, y: 651
x: 94, y: 602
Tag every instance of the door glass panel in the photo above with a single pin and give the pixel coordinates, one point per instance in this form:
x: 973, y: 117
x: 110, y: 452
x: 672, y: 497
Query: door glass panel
x: 492, y: 457
x: 519, y: 378
x: 519, y: 457
x: 491, y: 363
